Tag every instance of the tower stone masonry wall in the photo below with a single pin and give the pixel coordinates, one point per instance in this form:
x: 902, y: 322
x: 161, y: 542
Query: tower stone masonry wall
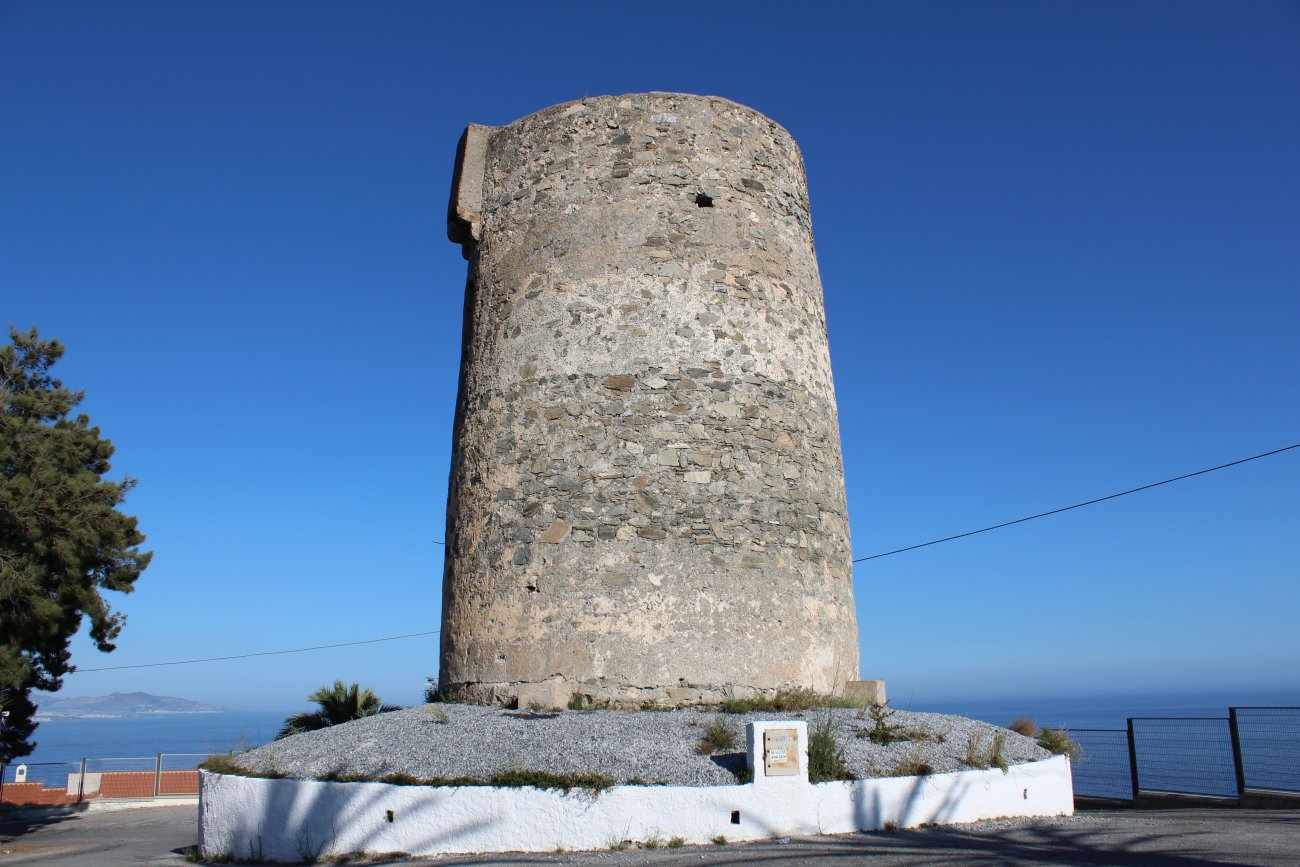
x: 647, y: 494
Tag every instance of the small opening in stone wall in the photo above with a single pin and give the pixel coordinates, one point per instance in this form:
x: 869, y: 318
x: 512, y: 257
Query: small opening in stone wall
x: 704, y: 201
x: 735, y: 817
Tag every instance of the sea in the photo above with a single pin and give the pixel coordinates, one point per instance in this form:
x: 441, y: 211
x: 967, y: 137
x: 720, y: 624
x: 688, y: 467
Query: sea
x: 189, y: 734
x: 208, y: 733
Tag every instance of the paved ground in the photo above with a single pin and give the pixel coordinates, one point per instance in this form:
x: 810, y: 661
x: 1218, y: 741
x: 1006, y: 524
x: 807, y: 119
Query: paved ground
x: 117, y: 838
x: 1159, y: 838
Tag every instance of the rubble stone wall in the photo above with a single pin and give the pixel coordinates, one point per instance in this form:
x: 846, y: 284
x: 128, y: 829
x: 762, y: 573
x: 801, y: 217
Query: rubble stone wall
x: 647, y: 495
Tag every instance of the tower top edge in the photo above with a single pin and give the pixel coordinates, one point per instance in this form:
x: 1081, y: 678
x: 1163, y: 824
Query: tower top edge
x: 575, y: 106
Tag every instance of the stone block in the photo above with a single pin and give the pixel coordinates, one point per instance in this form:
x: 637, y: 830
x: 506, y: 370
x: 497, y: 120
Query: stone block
x: 866, y: 691
x: 547, y: 695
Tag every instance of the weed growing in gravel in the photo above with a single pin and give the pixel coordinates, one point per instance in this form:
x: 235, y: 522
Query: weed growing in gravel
x: 434, y: 695
x: 825, y: 753
x: 882, y: 731
x: 744, y: 775
x: 995, y: 757
x: 341, y: 777
x: 676, y: 842
x: 922, y: 735
x: 1023, y: 725
x: 784, y: 700
x: 399, y: 779
x: 226, y: 765
x: 720, y: 840
x: 911, y: 765
x: 512, y: 778
x: 595, y: 783
x: 718, y: 738
x: 975, y: 751
x: 635, y: 781
x: 437, y: 715
x: 1059, y: 742
x: 654, y: 841
x: 911, y: 768
x: 997, y: 752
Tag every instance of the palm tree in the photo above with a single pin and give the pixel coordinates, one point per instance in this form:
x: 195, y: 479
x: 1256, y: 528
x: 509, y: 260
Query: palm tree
x: 338, y: 704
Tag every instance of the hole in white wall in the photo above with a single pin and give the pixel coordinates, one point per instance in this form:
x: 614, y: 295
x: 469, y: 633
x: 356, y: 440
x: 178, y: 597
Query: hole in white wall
x: 735, y: 817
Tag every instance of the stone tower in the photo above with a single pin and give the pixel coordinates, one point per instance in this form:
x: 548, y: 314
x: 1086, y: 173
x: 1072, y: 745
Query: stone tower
x: 647, y: 495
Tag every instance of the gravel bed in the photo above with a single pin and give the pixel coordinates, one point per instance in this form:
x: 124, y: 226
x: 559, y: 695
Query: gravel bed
x: 649, y: 747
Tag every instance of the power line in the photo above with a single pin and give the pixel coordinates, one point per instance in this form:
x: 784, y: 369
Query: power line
x: 260, y: 653
x: 858, y: 560
x: 1079, y: 505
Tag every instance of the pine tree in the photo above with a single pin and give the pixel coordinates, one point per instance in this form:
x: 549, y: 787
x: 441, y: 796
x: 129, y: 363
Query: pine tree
x: 62, y: 539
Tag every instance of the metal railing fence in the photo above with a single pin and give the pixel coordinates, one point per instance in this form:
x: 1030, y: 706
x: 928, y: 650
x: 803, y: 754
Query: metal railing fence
x: 1253, y: 750
x: 1102, y: 767
x: 54, y: 783
x: 1266, y: 741
x: 1183, y: 755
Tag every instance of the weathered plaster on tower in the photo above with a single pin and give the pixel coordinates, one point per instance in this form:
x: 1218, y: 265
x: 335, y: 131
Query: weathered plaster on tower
x: 647, y: 496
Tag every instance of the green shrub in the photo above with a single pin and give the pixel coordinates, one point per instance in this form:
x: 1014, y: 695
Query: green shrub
x: 1059, y: 742
x: 343, y: 777
x: 718, y: 738
x: 783, y: 701
x: 596, y: 783
x: 997, y: 751
x: 1023, y: 725
x: 399, y: 779
x: 227, y: 765
x: 975, y: 751
x: 826, y: 755
x: 911, y: 768
x: 882, y: 731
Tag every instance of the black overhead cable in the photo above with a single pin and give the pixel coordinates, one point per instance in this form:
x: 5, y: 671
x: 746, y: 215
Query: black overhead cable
x: 1078, y: 505
x: 858, y: 560
x: 260, y: 653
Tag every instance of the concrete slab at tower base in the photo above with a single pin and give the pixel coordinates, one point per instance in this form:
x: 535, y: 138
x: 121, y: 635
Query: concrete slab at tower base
x: 293, y: 820
x: 867, y: 691
x: 547, y: 695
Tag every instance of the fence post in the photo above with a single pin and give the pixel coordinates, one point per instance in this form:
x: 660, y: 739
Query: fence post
x: 1237, y: 763
x: 157, y: 776
x: 3, y: 769
x: 1132, y: 759
x: 81, y: 782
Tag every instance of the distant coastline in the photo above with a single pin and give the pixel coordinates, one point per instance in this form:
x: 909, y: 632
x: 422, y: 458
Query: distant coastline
x: 119, y: 705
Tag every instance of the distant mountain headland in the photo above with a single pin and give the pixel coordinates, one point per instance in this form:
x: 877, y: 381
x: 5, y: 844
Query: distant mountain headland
x: 119, y: 705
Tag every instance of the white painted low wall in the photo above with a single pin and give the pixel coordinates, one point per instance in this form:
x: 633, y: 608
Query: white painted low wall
x: 290, y: 820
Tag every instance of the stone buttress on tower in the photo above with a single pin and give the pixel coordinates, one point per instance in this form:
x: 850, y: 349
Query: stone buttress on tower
x: 647, y: 495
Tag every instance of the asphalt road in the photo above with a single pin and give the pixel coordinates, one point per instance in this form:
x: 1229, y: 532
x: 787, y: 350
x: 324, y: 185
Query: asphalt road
x: 1159, y: 838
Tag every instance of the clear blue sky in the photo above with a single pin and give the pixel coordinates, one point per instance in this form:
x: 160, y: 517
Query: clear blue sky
x: 1060, y: 244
